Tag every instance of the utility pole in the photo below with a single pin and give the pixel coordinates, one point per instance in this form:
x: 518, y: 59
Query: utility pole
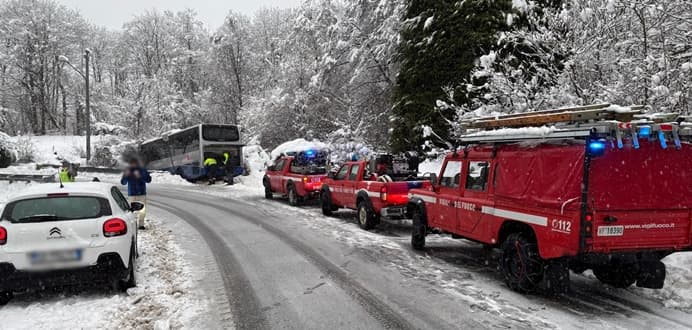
x: 88, y: 108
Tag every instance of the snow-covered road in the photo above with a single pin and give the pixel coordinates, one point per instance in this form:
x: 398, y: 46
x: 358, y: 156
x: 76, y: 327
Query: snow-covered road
x: 224, y: 257
x: 452, y: 284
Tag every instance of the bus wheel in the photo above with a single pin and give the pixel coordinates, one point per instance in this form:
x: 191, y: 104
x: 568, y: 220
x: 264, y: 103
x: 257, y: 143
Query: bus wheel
x: 521, y: 265
x: 268, y: 194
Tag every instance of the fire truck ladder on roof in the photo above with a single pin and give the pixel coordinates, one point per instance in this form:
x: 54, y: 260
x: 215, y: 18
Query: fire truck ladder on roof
x: 595, y: 121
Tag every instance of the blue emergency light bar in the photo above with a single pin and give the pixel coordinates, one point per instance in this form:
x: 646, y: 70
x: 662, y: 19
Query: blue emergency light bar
x: 310, y: 154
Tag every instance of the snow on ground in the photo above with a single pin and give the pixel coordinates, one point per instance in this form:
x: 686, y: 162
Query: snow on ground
x: 49, y: 148
x: 677, y: 293
x: 164, y: 298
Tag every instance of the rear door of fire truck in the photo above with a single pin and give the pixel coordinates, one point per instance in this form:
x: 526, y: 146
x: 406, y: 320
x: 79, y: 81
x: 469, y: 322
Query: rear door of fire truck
x: 640, y: 196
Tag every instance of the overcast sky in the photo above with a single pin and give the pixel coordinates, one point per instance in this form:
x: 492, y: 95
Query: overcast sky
x: 113, y: 13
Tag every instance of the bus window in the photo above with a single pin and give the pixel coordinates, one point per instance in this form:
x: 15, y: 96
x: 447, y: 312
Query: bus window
x: 217, y: 133
x: 185, y: 142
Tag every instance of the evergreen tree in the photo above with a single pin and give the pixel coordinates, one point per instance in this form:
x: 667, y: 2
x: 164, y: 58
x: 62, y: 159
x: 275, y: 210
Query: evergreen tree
x: 441, y: 42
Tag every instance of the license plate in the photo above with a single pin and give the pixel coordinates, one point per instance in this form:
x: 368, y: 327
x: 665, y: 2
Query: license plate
x: 611, y: 231
x: 40, y: 258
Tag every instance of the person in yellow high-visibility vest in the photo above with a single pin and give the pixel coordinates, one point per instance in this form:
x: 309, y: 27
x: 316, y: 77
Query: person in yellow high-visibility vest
x: 211, y: 165
x: 65, y: 175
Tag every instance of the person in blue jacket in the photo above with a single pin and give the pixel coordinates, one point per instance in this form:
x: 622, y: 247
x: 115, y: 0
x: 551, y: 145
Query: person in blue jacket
x: 136, y: 177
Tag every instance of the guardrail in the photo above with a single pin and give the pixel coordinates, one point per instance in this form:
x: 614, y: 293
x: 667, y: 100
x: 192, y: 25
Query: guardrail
x: 41, y: 178
x: 89, y: 169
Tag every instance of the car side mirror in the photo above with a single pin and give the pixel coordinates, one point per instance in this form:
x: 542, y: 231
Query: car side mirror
x: 330, y: 175
x: 270, y: 168
x: 136, y: 206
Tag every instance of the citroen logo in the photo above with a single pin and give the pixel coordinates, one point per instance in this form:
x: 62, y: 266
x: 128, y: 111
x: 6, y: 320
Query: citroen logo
x: 55, y: 231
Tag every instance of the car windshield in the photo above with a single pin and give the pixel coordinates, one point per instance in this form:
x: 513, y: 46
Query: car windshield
x: 56, y: 209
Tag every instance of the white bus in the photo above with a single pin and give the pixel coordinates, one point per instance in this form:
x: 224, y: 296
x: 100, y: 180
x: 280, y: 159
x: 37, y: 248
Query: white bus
x: 183, y: 152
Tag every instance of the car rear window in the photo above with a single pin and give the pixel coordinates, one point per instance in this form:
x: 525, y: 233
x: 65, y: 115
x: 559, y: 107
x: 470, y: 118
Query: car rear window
x: 62, y: 208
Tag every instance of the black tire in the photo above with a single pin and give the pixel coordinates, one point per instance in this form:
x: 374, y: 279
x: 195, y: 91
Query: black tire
x: 131, y: 280
x: 420, y: 230
x: 6, y: 297
x: 556, y: 277
x: 268, y: 194
x: 520, y: 263
x: 293, y: 198
x: 367, y: 219
x: 326, y: 204
x: 617, y: 274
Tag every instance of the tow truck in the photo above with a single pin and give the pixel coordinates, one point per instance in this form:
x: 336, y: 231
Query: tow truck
x: 593, y: 187
x: 357, y: 186
x: 298, y: 176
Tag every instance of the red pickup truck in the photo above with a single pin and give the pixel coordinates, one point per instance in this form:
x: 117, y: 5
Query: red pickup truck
x: 296, y: 180
x: 356, y: 187
x: 579, y: 203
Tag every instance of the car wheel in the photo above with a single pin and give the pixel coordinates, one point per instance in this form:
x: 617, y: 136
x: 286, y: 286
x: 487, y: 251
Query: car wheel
x: 617, y: 274
x: 268, y: 194
x: 293, y: 198
x: 521, y: 265
x: 367, y: 219
x: 6, y: 297
x: 420, y: 230
x: 131, y: 280
x: 326, y: 201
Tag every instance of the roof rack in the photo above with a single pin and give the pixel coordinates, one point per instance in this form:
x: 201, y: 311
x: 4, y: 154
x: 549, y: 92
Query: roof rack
x: 601, y: 121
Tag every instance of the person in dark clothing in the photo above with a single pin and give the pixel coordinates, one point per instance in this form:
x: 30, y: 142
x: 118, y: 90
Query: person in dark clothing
x: 212, y: 167
x: 228, y: 167
x: 136, y: 177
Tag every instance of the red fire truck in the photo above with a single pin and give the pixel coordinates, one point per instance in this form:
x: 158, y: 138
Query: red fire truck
x: 606, y: 193
x: 357, y: 186
x: 297, y: 177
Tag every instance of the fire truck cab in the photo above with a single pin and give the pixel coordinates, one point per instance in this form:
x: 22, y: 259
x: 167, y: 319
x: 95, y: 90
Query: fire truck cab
x: 612, y: 197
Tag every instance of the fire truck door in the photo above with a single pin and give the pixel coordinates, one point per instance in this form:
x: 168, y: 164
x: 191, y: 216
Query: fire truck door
x: 444, y: 212
x: 475, y: 196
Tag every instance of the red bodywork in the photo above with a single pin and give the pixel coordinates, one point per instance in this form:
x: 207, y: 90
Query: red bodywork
x: 352, y: 183
x: 638, y: 199
x: 281, y: 175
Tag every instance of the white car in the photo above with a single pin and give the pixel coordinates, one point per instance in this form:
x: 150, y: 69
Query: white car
x: 78, y: 234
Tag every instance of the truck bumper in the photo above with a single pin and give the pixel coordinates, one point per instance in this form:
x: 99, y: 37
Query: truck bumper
x: 396, y: 212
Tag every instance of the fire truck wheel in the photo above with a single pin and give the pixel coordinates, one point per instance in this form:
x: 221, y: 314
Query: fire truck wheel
x: 293, y: 198
x: 556, y: 277
x: 617, y: 274
x: 367, y: 219
x: 419, y: 232
x: 521, y: 265
x: 326, y: 203
x: 268, y: 194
